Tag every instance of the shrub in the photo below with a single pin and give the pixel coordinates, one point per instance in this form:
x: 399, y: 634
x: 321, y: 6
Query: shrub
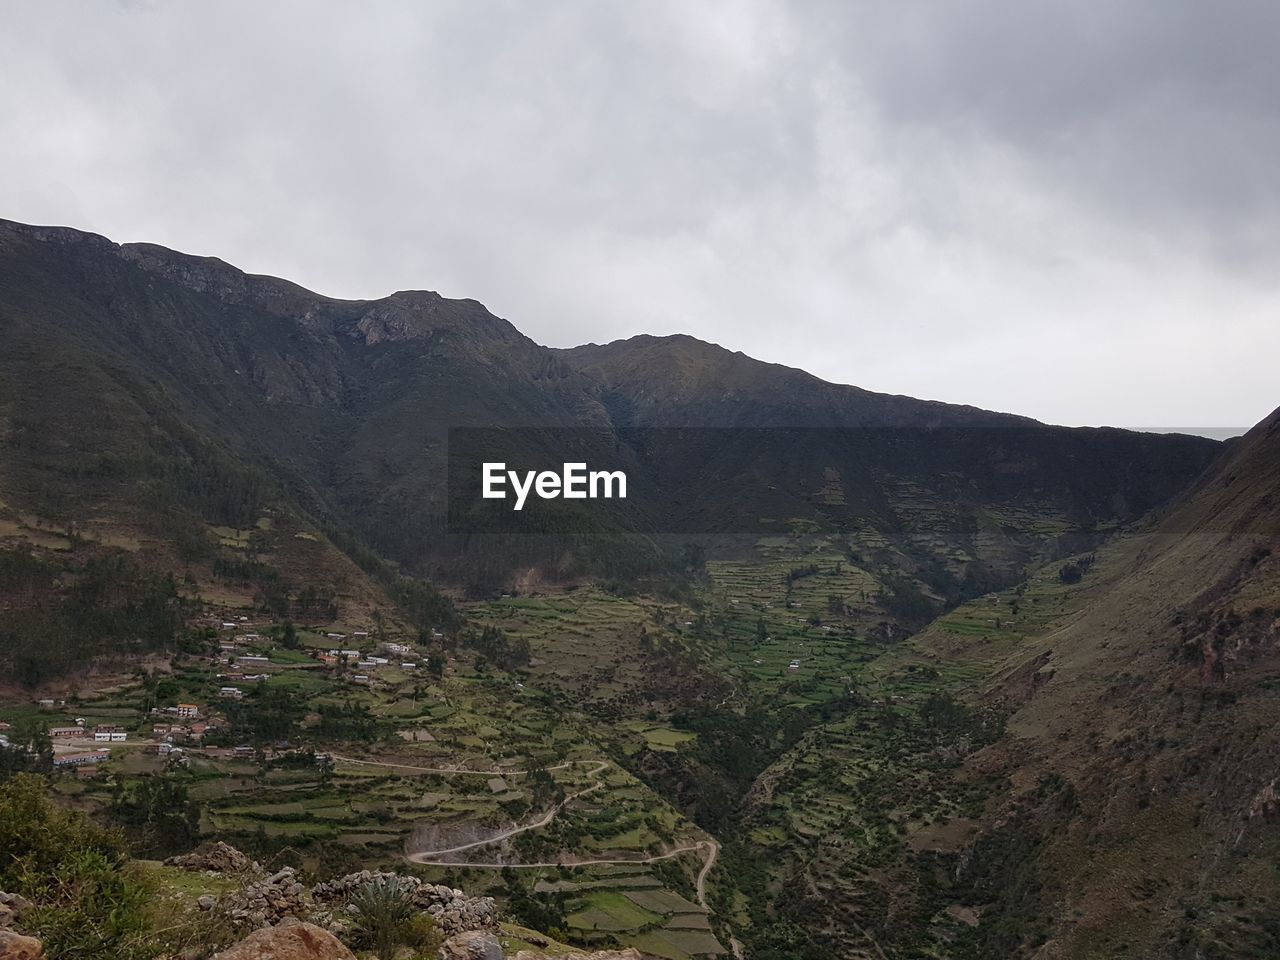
x: 89, y: 905
x: 385, y: 915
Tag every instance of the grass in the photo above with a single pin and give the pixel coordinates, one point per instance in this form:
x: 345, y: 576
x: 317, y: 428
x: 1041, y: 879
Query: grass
x: 610, y: 911
x: 678, y: 944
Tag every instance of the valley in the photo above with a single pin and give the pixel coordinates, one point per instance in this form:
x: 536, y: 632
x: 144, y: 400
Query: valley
x: 859, y: 676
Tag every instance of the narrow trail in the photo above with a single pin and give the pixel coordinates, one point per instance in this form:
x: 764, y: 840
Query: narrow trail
x: 713, y: 851
x: 431, y: 857
x: 652, y: 858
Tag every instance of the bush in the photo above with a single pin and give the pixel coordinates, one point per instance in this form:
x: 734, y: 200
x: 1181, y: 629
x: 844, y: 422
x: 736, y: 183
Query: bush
x: 92, y: 907
x: 89, y: 905
x: 387, y: 918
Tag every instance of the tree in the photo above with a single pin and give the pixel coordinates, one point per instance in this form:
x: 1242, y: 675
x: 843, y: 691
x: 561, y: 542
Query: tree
x: 271, y: 713
x: 158, y: 816
x: 30, y: 750
x: 289, y: 637
x: 435, y: 664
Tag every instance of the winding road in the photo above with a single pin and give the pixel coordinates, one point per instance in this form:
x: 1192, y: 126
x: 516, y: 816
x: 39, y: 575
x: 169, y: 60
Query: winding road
x: 432, y: 857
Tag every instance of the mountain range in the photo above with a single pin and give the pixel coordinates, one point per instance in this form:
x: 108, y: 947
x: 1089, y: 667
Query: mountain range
x: 177, y: 384
x: 1083, y: 624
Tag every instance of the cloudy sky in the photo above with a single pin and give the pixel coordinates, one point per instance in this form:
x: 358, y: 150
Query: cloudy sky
x: 1067, y: 210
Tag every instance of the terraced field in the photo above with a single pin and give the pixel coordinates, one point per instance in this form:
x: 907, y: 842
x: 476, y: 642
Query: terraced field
x: 482, y: 769
x: 862, y: 799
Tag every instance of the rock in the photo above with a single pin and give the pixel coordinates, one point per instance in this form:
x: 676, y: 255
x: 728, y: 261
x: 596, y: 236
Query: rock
x: 266, y: 902
x: 217, y: 857
x: 14, y: 946
x: 290, y: 940
x: 472, y: 945
x: 11, y: 904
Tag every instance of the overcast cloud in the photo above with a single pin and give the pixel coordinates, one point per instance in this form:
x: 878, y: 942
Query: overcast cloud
x: 1066, y: 210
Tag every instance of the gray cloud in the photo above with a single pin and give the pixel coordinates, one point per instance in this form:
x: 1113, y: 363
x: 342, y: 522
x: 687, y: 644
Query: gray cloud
x: 1065, y: 210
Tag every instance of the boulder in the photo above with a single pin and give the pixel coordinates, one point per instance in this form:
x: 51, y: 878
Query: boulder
x: 15, y: 901
x: 472, y: 945
x: 291, y: 940
x: 14, y: 946
x: 217, y: 857
x: 11, y: 904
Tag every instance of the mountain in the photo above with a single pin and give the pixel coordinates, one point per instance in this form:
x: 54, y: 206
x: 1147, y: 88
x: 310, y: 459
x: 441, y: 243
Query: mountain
x: 131, y: 368
x: 172, y: 390
x: 1156, y: 706
x: 938, y: 681
x: 1092, y: 772
x: 682, y: 381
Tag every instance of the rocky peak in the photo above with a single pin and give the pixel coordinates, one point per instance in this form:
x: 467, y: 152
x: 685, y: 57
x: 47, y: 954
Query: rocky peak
x: 416, y: 314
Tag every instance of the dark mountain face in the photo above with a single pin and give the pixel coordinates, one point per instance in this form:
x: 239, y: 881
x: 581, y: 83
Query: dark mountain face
x: 129, y: 363
x: 682, y: 381
x: 140, y: 379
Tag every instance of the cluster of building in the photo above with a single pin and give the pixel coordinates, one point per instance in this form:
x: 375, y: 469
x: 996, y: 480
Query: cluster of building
x: 187, y: 722
x: 80, y: 759
x: 370, y: 662
x: 102, y: 733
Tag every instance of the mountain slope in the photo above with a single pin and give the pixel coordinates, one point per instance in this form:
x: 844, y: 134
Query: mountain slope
x: 123, y: 358
x: 1143, y: 745
x: 682, y: 381
x: 1160, y: 704
x: 146, y: 381
x: 1082, y: 765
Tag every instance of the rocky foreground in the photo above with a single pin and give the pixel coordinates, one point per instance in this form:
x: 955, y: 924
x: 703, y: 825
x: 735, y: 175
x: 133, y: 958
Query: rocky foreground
x: 280, y: 918
x: 284, y: 920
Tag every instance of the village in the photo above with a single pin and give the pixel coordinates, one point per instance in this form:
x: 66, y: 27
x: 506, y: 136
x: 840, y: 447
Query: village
x: 243, y: 655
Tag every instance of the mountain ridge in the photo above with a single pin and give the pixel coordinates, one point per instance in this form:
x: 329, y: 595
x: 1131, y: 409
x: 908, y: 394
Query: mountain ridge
x: 1046, y: 653
x: 209, y: 274
x: 345, y: 406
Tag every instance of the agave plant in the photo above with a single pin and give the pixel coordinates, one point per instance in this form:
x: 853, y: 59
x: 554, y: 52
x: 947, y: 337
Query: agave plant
x: 384, y: 908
